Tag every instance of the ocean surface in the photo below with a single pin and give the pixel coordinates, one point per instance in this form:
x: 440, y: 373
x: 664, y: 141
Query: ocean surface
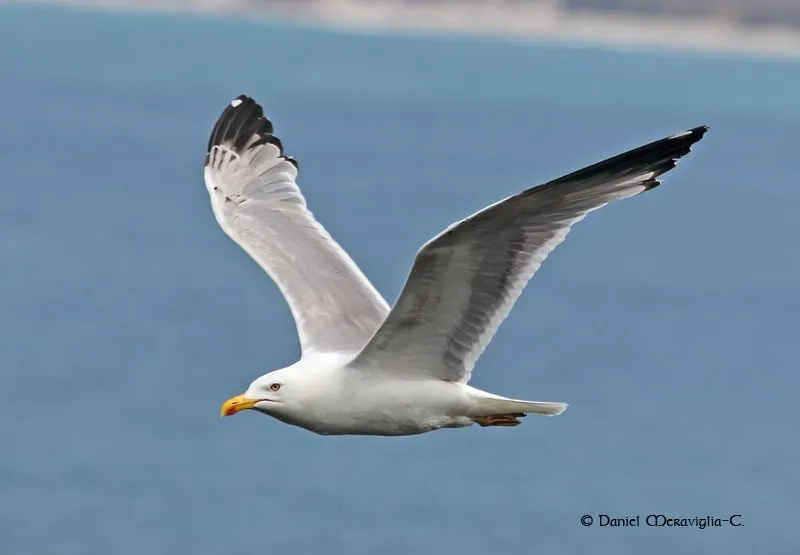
x: 670, y: 322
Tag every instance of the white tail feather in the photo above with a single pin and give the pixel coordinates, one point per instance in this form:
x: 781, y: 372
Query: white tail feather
x: 496, y: 405
x: 549, y: 408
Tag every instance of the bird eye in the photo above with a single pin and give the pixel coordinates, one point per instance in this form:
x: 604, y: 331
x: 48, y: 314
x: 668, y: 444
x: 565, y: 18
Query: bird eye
x: 275, y: 387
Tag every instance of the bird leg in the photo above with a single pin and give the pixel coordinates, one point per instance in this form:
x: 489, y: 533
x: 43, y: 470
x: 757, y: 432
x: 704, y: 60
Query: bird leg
x: 500, y: 419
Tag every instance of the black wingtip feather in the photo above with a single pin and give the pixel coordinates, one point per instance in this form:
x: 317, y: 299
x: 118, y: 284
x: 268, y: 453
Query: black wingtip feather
x: 242, y: 118
x: 658, y: 157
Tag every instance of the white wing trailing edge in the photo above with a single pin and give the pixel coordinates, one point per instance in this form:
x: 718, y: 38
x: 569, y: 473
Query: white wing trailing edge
x: 256, y: 201
x: 465, y: 281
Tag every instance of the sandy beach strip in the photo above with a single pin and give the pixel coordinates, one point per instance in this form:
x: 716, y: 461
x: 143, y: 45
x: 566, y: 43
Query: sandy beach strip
x: 541, y: 21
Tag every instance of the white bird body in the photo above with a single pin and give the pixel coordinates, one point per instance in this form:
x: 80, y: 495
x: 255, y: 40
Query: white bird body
x: 375, y: 404
x: 371, y: 406
x: 366, y: 368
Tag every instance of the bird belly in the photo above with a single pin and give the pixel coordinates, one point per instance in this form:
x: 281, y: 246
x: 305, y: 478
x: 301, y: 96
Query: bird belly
x: 394, y: 408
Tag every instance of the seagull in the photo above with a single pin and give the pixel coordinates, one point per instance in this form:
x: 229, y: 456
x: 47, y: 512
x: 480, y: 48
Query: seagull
x: 370, y: 369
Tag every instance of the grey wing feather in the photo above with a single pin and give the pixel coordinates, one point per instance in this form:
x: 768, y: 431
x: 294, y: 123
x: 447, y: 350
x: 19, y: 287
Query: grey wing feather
x: 257, y: 202
x: 465, y: 281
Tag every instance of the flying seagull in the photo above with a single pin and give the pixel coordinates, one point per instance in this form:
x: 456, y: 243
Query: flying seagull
x: 370, y: 369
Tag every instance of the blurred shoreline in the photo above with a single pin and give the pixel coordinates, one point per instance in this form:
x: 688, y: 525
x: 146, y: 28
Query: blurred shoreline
x: 539, y: 21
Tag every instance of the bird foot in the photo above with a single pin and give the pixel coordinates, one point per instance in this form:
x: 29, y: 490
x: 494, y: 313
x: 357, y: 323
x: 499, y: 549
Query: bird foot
x: 500, y: 419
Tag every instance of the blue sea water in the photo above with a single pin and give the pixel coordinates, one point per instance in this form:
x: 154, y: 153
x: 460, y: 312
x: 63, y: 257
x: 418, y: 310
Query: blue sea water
x: 669, y: 322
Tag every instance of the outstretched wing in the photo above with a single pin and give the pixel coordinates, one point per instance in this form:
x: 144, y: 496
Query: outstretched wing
x: 258, y: 204
x: 465, y: 280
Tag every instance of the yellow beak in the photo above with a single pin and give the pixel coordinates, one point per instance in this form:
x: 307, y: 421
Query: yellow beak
x: 237, y: 404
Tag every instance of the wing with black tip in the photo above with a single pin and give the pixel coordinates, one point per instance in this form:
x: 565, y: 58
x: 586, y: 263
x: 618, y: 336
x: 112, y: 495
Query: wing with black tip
x: 465, y: 280
x: 256, y: 200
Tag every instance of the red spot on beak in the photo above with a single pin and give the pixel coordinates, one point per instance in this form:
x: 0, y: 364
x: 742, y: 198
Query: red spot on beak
x: 236, y: 404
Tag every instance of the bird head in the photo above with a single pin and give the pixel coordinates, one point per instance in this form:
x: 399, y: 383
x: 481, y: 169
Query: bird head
x: 266, y: 394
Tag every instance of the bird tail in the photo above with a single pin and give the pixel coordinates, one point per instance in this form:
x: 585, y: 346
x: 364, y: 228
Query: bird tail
x: 547, y: 408
x: 494, y: 410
